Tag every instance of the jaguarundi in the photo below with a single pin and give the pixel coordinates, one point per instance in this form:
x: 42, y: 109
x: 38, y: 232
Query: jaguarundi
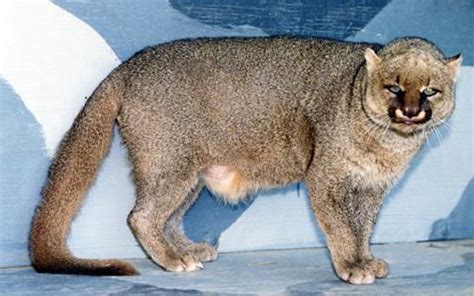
x: 242, y: 114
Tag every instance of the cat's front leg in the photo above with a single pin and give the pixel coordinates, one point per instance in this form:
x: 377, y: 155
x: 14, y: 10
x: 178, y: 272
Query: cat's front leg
x: 347, y: 216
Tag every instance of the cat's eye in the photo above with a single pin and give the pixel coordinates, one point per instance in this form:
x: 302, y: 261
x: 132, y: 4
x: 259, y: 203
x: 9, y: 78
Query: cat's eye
x: 429, y: 92
x: 394, y: 89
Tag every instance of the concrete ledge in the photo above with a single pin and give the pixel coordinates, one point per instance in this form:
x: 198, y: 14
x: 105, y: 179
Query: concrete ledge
x: 431, y: 268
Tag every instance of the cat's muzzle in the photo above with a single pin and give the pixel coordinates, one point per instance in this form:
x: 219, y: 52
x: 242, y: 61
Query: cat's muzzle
x: 410, y: 116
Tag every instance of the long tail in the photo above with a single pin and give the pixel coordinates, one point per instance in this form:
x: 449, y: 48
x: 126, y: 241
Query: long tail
x: 73, y: 170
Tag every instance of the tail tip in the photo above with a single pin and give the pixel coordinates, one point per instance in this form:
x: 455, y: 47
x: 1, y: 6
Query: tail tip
x: 120, y: 268
x: 111, y: 267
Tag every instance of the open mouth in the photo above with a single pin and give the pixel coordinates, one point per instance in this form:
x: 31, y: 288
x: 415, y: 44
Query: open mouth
x: 407, y: 121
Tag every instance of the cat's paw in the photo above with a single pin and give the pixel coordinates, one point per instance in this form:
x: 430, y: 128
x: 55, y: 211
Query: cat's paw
x: 181, y: 263
x: 380, y: 268
x: 357, y: 274
x: 204, y: 252
x: 363, y: 273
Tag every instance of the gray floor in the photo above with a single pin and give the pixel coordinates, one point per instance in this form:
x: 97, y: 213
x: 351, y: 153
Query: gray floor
x: 432, y: 268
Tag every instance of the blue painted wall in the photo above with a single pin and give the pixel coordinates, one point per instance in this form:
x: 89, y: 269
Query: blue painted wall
x: 433, y: 201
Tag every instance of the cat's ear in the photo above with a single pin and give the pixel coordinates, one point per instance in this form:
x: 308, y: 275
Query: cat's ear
x: 453, y: 64
x: 372, y: 59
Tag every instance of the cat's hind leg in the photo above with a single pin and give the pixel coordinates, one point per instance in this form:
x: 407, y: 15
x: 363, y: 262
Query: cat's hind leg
x: 164, y: 182
x: 202, y: 251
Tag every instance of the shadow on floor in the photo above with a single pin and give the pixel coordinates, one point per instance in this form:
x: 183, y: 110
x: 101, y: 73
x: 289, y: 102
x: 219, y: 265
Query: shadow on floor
x: 460, y: 222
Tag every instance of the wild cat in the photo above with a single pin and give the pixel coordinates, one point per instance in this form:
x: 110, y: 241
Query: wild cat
x: 242, y: 114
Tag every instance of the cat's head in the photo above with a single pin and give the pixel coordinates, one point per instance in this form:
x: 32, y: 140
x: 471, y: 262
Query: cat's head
x: 410, y: 85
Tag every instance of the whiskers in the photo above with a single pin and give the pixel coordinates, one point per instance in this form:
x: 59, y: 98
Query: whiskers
x: 434, y: 127
x: 379, y: 125
x: 426, y: 136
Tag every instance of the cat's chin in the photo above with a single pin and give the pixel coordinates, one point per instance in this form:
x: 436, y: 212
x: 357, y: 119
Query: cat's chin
x: 407, y: 128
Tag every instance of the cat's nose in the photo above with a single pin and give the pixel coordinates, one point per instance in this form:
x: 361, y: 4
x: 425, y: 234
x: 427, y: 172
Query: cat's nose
x: 411, y: 111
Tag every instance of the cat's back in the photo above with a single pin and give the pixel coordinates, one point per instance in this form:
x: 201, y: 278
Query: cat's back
x: 224, y: 69
x: 237, y: 83
x: 242, y: 55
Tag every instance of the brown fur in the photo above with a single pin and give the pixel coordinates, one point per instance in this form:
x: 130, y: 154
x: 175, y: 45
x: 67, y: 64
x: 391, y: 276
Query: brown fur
x: 242, y: 114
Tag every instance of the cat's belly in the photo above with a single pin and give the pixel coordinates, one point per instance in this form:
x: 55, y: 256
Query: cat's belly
x: 226, y: 182
x: 238, y: 171
x: 234, y: 184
